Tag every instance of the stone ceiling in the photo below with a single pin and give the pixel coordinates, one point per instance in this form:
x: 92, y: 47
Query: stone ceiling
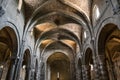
x: 83, y: 5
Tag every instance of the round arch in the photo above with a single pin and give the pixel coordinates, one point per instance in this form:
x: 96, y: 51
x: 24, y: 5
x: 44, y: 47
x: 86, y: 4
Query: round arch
x: 87, y: 62
x: 40, y: 9
x: 42, y: 20
x: 54, y: 63
x: 107, y: 41
x: 54, y: 46
x: 59, y: 31
x: 62, y: 33
x: 9, y: 43
x: 62, y: 48
x: 78, y: 17
x: 104, y: 34
x: 101, y: 25
x: 87, y: 56
x: 25, y: 65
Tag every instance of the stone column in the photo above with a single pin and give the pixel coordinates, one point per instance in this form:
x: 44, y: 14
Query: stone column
x: 36, y: 73
x: 72, y: 71
x: 96, y: 68
x: 79, y: 73
x: 103, y: 68
x: 42, y: 71
x: 10, y: 74
x: 95, y: 60
x: 86, y: 72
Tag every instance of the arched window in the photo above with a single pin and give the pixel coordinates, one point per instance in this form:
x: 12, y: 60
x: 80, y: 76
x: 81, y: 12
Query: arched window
x: 19, y: 5
x: 96, y: 13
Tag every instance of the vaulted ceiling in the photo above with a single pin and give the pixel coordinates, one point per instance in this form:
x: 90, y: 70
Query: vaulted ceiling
x: 82, y: 5
x: 54, y: 24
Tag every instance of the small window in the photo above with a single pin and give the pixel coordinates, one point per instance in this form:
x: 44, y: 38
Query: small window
x: 96, y: 12
x: 19, y: 5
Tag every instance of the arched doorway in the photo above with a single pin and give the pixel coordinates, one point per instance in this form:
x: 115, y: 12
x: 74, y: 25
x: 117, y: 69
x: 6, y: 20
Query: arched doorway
x: 25, y: 69
x: 109, y: 43
x: 8, y: 52
x: 58, y: 67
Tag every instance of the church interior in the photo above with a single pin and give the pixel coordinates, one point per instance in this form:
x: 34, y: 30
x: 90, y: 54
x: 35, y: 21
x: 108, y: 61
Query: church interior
x: 59, y: 40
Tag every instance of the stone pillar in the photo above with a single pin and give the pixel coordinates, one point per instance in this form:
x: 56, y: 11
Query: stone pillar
x: 42, y: 71
x: 96, y: 68
x: 78, y: 69
x: 86, y: 72
x: 36, y: 73
x: 31, y: 76
x: 10, y: 74
x: 72, y: 71
x: 79, y: 74
x: 103, y: 68
x: 95, y: 60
